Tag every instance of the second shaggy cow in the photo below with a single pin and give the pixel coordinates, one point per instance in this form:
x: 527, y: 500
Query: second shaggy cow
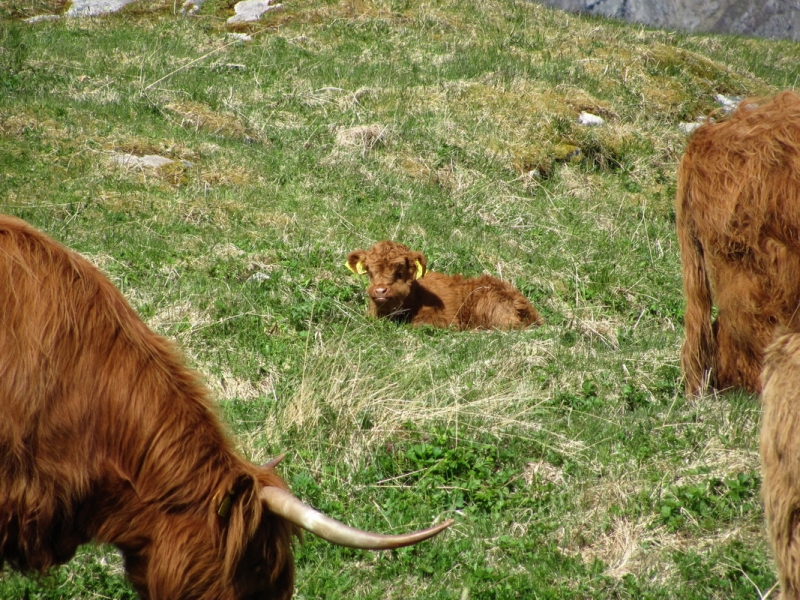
x: 738, y: 223
x: 401, y: 288
x: 780, y: 458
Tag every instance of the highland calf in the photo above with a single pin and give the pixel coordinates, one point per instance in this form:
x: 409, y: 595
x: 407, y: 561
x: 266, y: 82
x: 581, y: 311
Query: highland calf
x: 738, y: 225
x: 401, y: 288
x: 106, y: 435
x: 780, y: 457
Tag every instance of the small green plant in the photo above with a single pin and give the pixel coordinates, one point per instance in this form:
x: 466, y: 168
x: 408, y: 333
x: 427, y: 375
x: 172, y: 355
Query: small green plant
x: 705, y: 505
x: 463, y: 475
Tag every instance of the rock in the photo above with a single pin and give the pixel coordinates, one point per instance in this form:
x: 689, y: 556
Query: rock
x: 729, y: 103
x: 152, y: 161
x: 586, y: 118
x: 38, y: 18
x: 689, y: 128
x: 251, y: 10
x: 241, y: 37
x: 767, y: 18
x: 247, y: 10
x: 92, y: 8
x: 84, y: 8
x: 190, y: 7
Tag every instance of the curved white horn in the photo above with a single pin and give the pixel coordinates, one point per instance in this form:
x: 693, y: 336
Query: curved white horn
x: 288, y: 506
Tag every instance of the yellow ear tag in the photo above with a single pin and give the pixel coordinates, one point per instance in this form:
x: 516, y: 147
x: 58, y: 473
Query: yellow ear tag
x: 359, y: 270
x: 225, y: 507
x: 420, y: 270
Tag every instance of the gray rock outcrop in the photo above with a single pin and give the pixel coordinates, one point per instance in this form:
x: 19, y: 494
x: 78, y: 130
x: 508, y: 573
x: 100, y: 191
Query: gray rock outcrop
x: 759, y: 18
x: 245, y: 11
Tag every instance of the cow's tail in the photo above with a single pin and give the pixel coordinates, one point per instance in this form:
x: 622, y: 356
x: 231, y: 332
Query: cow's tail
x: 698, y: 355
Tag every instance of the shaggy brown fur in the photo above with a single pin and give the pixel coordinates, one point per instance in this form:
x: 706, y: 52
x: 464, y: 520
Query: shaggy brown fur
x: 780, y: 457
x: 106, y: 435
x: 400, y: 288
x: 738, y: 223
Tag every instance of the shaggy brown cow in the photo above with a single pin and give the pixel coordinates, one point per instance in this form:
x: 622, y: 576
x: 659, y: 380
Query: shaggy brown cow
x: 401, y: 288
x: 738, y: 223
x: 106, y: 435
x: 780, y: 457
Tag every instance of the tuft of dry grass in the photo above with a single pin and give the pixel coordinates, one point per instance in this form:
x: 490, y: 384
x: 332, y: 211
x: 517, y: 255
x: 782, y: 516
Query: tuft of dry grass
x: 341, y: 388
x: 202, y: 117
x: 363, y: 137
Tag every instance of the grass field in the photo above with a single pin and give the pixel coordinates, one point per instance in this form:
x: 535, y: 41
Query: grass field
x: 569, y: 456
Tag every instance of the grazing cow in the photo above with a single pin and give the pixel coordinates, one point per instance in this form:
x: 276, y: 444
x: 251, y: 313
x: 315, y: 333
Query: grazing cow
x: 401, y: 288
x: 738, y: 224
x: 780, y: 457
x: 106, y: 435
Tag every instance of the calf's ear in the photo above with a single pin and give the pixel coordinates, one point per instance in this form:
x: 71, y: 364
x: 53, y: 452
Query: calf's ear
x: 355, y: 262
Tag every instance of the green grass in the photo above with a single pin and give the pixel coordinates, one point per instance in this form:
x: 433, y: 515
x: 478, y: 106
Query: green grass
x: 568, y: 455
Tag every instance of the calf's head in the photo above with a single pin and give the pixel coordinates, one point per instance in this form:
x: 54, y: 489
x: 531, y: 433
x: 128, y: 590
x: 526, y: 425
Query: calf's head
x: 391, y: 268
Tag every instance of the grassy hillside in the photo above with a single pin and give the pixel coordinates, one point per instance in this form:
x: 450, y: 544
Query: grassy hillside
x: 568, y: 455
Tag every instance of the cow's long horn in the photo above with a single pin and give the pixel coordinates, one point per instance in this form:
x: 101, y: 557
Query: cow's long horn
x: 288, y: 506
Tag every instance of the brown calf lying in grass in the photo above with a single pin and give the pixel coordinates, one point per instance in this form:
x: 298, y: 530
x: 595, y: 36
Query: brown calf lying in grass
x: 401, y: 288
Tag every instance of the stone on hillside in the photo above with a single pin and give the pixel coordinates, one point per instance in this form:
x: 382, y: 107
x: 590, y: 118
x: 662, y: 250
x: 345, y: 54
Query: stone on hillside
x: 84, y: 8
x: 258, y: 276
x: 92, y: 8
x: 761, y: 18
x: 251, y: 10
x: 241, y: 37
x: 729, y: 103
x: 38, y: 18
x: 586, y: 118
x: 190, y: 7
x: 689, y: 128
x: 152, y: 161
